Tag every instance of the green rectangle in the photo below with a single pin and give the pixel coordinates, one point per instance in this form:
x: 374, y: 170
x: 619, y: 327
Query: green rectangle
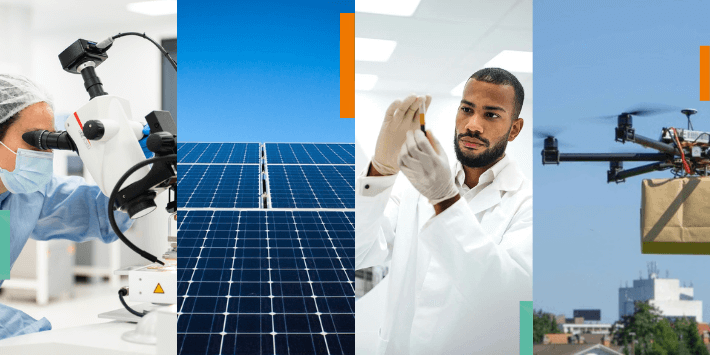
x: 526, y: 327
x: 675, y: 248
x: 5, y: 236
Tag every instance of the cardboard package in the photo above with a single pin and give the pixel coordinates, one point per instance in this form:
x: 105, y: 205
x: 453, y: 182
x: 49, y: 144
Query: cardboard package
x: 675, y: 216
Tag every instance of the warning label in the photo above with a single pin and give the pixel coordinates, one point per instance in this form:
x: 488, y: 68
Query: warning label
x: 158, y: 289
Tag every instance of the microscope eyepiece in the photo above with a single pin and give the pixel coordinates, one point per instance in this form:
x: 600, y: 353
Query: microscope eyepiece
x: 43, y: 140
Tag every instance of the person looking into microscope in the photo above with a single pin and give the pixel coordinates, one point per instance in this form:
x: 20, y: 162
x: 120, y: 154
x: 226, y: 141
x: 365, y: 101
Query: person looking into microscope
x: 42, y: 206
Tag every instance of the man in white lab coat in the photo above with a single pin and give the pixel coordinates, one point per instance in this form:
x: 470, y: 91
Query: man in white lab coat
x: 460, y: 242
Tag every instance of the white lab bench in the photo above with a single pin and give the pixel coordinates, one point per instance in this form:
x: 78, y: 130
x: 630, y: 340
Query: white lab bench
x: 99, y: 338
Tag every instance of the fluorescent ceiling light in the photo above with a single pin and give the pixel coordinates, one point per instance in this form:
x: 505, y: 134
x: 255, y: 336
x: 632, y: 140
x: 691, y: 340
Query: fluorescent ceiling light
x: 512, y: 61
x: 365, y: 81
x: 373, y: 50
x: 395, y: 8
x: 154, y: 8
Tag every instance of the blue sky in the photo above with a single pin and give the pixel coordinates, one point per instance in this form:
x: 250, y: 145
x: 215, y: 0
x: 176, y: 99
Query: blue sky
x: 594, y: 60
x: 261, y: 72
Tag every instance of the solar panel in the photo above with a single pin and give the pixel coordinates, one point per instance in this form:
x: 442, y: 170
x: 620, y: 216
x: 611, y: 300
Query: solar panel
x: 266, y: 277
x: 311, y: 186
x: 218, y: 186
x: 266, y: 282
x: 219, y: 153
x: 310, y: 153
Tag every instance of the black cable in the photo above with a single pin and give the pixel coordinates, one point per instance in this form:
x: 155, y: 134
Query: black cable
x: 165, y: 53
x: 112, y: 207
x: 123, y: 292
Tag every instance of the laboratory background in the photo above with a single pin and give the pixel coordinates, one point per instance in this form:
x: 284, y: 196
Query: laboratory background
x: 71, y: 283
x: 431, y: 48
x: 427, y: 47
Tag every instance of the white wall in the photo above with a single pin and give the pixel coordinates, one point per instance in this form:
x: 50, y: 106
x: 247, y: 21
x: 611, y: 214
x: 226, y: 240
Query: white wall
x: 681, y: 309
x: 13, y: 51
x: 666, y: 290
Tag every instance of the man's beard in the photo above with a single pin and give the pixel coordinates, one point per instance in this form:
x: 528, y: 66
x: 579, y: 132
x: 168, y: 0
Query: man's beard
x: 487, y: 157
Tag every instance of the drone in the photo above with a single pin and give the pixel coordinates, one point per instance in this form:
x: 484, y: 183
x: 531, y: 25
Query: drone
x: 686, y: 152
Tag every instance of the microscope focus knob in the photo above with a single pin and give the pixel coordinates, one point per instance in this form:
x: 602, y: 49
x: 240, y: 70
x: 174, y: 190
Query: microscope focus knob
x: 161, y: 143
x: 94, y: 130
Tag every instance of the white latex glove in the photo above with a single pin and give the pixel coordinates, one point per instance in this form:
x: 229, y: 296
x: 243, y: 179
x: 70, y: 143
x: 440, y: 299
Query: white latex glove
x: 401, y: 116
x: 427, y: 167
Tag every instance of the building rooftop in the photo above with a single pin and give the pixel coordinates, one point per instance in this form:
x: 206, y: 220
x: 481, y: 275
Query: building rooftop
x: 571, y: 349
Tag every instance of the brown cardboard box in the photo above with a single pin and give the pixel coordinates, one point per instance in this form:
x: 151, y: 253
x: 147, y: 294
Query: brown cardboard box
x: 675, y: 216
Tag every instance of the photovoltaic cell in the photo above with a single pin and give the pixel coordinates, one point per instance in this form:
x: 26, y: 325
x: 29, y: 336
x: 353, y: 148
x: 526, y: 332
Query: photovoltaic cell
x: 218, y: 186
x: 311, y: 186
x: 218, y: 153
x: 310, y: 153
x: 266, y: 282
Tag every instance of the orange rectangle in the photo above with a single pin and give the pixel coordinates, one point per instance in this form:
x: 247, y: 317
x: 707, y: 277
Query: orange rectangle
x: 704, y: 73
x: 347, y: 65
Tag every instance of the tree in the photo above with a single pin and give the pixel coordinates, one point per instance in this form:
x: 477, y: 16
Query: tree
x: 692, y: 339
x: 680, y: 326
x: 638, y: 329
x: 665, y: 339
x: 543, y: 323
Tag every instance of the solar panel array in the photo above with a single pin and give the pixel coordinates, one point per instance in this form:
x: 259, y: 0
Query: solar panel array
x: 312, y: 186
x: 266, y: 248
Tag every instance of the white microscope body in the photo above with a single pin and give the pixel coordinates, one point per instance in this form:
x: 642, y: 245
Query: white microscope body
x: 107, y: 159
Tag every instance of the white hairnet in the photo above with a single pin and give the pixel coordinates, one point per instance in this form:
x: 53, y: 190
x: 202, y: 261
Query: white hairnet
x: 16, y: 93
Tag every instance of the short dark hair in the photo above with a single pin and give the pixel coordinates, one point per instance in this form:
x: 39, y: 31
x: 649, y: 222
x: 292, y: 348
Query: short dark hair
x: 500, y: 76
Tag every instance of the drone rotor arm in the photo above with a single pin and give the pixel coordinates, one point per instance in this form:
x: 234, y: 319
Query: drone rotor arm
x: 613, y: 157
x: 620, y: 175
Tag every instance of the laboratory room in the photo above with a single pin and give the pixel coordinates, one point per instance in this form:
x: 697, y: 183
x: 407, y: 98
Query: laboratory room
x: 463, y: 69
x: 88, y: 128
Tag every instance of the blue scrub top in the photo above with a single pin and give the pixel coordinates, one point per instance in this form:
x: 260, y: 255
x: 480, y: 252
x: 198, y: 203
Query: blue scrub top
x: 67, y: 208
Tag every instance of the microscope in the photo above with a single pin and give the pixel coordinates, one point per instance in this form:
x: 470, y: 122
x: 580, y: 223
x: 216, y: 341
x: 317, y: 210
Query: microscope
x: 106, y: 137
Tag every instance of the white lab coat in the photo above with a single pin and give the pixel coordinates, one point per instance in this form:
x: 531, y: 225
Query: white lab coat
x: 456, y: 279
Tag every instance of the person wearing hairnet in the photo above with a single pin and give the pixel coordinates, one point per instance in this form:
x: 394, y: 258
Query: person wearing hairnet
x: 42, y: 206
x: 460, y: 242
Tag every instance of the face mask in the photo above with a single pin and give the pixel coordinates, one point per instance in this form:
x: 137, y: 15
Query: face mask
x: 33, y: 170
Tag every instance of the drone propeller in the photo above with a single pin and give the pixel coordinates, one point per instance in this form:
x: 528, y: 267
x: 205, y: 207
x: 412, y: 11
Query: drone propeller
x: 545, y: 132
x: 549, y: 132
x: 643, y: 110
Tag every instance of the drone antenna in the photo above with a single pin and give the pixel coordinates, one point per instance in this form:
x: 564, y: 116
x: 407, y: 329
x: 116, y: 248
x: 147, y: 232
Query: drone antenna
x: 688, y: 112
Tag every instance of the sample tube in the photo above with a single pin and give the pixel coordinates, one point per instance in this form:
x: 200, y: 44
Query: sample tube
x: 422, y: 112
